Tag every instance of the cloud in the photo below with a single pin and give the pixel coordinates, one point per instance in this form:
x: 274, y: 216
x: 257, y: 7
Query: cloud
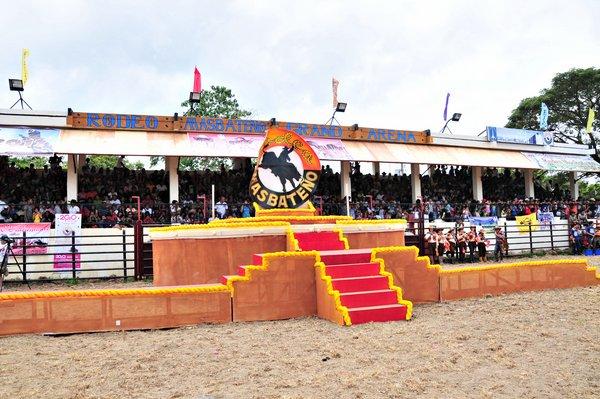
x: 395, y: 60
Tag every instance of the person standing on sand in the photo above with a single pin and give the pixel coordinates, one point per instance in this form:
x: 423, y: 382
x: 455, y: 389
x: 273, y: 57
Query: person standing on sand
x: 481, y: 245
x: 500, y: 244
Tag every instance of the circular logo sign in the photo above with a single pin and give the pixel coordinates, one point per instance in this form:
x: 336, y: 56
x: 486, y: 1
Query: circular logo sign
x: 287, y: 171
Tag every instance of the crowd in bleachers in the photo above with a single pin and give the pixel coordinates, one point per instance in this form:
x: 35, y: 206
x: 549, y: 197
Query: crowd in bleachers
x: 105, y: 195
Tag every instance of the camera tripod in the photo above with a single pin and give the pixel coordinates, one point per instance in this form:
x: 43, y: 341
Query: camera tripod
x: 4, y: 265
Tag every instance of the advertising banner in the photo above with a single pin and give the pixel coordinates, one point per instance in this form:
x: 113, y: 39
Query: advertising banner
x: 36, y: 236
x: 28, y: 141
x: 563, y: 162
x: 519, y: 136
x: 487, y: 222
x: 66, y: 253
x: 247, y: 146
x: 545, y: 219
x: 523, y: 223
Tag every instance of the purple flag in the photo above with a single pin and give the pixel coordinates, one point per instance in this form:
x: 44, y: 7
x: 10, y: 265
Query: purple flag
x: 446, y: 107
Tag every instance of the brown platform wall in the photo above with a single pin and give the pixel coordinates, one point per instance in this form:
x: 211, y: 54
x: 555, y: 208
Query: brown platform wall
x: 418, y: 283
x: 283, y: 291
x: 104, y: 313
x: 204, y: 261
x: 374, y: 240
x: 478, y: 283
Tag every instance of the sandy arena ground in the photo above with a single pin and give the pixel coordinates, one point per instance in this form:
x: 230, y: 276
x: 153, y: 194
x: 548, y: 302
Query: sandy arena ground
x: 531, y: 345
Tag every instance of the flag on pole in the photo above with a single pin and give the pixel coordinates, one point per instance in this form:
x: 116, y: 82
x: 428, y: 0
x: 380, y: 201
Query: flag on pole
x: 24, y: 71
x: 591, y: 118
x: 544, y: 117
x: 197, y: 81
x: 446, y: 107
x: 334, y: 86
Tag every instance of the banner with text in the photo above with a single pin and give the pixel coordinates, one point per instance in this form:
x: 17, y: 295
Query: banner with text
x: 523, y: 223
x: 519, y: 136
x: 563, y: 162
x: 67, y: 254
x: 545, y: 219
x: 36, y: 236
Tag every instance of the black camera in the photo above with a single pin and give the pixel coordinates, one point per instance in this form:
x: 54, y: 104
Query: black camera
x: 7, y: 239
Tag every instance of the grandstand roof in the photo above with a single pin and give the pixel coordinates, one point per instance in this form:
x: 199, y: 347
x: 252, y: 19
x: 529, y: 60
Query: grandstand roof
x: 118, y: 134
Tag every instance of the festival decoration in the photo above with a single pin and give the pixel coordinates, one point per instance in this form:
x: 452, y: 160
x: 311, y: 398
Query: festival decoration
x: 287, y: 171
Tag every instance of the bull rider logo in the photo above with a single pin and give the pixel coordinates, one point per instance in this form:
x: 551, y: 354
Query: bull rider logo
x: 287, y: 171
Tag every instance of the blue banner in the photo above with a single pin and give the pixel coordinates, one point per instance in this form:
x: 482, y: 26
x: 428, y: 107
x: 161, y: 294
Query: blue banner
x: 518, y: 136
x: 544, y: 117
x: 484, y: 221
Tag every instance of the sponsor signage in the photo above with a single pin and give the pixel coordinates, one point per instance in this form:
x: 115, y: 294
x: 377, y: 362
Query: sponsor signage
x: 36, y: 236
x: 519, y: 136
x: 287, y: 171
x: 66, y: 254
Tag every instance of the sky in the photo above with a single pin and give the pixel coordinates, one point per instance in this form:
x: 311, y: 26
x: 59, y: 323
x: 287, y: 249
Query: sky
x: 395, y: 60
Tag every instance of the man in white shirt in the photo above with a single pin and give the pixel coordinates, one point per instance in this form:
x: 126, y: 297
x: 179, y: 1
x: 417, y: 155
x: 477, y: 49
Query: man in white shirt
x: 221, y: 208
x: 72, y: 208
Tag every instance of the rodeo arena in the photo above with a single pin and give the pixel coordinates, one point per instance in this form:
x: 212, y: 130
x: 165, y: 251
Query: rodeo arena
x: 302, y: 224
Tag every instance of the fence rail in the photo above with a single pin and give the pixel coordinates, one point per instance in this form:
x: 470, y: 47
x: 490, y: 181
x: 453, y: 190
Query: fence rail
x: 107, y: 255
x: 127, y: 253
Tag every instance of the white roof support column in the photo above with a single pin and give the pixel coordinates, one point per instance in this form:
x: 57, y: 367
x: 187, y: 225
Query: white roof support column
x: 80, y: 161
x: 172, y: 166
x: 71, y: 177
x: 376, y: 168
x: 345, y: 179
x: 415, y: 181
x: 477, y: 183
x: 529, y: 190
x: 573, y: 185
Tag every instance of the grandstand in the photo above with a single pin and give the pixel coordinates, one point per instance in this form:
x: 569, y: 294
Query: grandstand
x: 452, y: 176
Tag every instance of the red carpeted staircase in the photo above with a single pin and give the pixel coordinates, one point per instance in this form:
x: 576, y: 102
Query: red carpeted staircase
x: 363, y: 290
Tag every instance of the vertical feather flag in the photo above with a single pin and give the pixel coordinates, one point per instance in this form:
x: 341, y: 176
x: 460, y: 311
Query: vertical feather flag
x: 590, y: 121
x: 24, y: 71
x: 446, y: 107
x: 543, y: 117
x: 334, y: 86
x: 197, y: 81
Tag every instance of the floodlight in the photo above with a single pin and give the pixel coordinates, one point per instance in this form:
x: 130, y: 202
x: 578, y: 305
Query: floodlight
x: 456, y: 117
x: 15, y: 84
x: 341, y: 107
x: 194, y: 97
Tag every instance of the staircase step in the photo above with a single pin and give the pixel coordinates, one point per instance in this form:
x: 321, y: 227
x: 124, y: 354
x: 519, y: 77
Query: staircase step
x: 346, y: 258
x: 320, y: 245
x: 358, y: 284
x: 224, y: 278
x: 377, y: 313
x: 353, y: 270
x: 319, y: 241
x: 369, y: 298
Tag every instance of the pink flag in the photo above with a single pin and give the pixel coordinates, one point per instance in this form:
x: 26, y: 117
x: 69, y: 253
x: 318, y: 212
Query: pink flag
x: 197, y: 84
x: 334, y: 86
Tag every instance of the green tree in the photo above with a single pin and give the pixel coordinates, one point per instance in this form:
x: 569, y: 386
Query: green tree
x: 569, y: 99
x: 110, y: 161
x: 218, y: 102
x: 24, y: 162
